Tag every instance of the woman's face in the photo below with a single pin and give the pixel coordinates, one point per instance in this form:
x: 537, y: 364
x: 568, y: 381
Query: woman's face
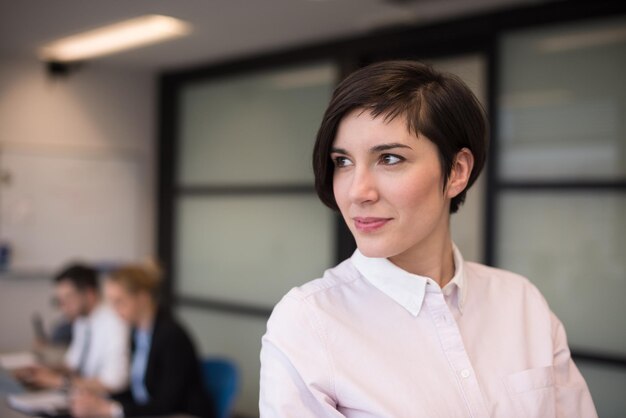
x: 126, y: 304
x: 388, y: 185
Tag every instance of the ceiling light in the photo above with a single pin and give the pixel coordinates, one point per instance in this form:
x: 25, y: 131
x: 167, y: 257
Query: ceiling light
x: 114, y: 38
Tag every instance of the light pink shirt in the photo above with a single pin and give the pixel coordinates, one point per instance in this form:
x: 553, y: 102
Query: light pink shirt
x: 372, y: 340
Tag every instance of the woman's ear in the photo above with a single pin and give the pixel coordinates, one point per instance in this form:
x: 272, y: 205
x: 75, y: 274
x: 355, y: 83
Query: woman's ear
x: 460, y: 173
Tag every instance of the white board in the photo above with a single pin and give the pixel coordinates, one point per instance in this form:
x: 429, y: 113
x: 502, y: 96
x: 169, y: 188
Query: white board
x: 56, y: 207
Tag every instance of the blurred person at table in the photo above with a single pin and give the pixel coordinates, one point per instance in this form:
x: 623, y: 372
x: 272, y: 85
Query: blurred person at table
x: 165, y: 369
x: 97, y: 358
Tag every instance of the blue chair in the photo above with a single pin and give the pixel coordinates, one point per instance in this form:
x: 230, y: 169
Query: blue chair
x: 221, y: 379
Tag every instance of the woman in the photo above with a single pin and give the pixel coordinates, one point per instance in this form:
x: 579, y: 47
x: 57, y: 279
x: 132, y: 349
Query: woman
x: 406, y: 327
x: 165, y: 370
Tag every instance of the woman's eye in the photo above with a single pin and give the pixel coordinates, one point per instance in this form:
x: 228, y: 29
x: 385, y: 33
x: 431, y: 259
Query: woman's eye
x: 342, y: 162
x: 390, y: 159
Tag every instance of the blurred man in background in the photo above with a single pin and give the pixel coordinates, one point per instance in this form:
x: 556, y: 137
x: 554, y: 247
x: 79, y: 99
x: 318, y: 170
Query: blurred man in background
x: 97, y: 358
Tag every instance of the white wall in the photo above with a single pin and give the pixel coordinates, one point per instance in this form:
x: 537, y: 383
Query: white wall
x: 94, y: 109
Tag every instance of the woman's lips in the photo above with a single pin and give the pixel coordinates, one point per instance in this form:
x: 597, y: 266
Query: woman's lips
x: 369, y: 224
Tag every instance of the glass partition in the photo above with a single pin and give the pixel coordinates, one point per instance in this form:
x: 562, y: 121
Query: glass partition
x: 606, y: 384
x: 251, y: 249
x: 248, y: 225
x: 571, y: 245
x: 560, y: 187
x: 253, y: 129
x: 563, y: 103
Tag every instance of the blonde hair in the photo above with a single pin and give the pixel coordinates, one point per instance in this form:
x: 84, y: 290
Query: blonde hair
x: 140, y: 277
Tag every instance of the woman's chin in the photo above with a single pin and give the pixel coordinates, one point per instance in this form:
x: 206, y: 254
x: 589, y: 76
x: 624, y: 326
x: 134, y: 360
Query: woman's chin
x: 372, y: 249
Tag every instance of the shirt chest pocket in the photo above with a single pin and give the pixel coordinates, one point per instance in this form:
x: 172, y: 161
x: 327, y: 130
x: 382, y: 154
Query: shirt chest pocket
x: 532, y: 392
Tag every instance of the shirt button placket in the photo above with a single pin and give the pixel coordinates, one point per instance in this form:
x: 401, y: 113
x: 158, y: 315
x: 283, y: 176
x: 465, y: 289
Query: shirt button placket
x: 454, y: 349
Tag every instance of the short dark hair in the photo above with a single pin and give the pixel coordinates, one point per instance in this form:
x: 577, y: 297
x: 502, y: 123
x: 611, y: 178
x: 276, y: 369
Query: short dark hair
x: 437, y: 105
x: 81, y: 276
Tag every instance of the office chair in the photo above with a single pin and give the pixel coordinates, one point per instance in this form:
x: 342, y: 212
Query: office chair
x: 221, y: 379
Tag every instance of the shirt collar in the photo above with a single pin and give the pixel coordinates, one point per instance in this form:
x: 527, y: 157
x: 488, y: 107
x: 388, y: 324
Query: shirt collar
x: 405, y: 288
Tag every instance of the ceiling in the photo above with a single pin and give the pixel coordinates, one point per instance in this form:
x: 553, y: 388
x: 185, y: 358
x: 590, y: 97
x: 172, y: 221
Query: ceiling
x: 222, y: 29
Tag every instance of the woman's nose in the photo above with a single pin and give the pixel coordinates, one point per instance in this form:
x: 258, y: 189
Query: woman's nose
x: 363, y: 187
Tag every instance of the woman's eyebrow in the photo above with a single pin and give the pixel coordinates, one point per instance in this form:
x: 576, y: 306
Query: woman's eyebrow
x: 386, y: 147
x: 374, y: 149
x: 338, y: 151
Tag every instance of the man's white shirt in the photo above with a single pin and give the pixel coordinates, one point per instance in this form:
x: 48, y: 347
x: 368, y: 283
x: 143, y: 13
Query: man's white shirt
x: 99, y: 348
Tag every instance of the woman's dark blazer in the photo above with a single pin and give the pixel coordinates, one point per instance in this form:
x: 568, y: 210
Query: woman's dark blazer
x: 173, y: 378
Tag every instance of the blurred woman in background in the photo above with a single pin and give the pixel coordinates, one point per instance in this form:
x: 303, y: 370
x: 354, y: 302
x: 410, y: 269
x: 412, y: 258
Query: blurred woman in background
x: 165, y: 369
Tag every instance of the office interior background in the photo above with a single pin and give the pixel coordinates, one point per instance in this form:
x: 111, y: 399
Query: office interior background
x: 197, y: 152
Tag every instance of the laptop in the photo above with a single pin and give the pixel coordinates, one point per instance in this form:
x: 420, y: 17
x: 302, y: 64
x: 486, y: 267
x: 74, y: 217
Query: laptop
x: 42, y: 403
x: 49, y: 403
x: 38, y: 328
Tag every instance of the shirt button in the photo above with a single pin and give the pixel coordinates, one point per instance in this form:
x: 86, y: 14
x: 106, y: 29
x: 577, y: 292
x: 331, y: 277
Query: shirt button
x: 465, y: 373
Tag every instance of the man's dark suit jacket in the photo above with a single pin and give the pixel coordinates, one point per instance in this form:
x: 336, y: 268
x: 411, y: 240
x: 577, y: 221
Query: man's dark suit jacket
x: 173, y: 378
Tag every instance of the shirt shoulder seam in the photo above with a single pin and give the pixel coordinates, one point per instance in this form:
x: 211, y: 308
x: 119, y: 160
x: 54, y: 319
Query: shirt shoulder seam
x: 308, y: 293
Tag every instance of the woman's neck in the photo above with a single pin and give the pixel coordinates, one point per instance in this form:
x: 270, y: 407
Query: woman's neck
x: 146, y: 317
x: 433, y: 259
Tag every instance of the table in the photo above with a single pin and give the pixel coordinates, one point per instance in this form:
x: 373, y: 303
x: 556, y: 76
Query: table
x: 9, y: 385
x: 7, y: 412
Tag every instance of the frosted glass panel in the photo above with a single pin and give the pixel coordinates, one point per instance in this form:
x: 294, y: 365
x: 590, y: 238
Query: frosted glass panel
x: 235, y: 337
x: 251, y: 249
x: 253, y: 129
x: 606, y: 385
x: 563, y: 102
x: 573, y: 247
